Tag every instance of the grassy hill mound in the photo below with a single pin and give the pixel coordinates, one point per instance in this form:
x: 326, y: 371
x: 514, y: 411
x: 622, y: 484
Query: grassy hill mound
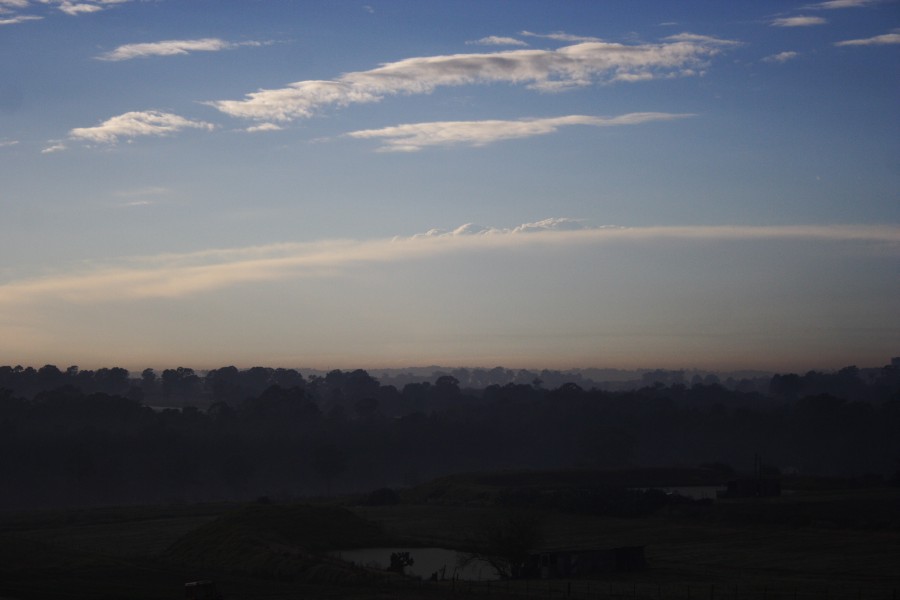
x: 283, y: 541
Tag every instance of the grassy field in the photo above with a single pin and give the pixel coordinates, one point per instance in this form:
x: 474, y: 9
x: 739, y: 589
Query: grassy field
x: 826, y: 544
x: 846, y: 543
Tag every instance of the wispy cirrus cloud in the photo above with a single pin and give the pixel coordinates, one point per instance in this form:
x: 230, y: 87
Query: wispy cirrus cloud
x: 153, y: 190
x: 84, y: 6
x: 55, y: 146
x: 496, y: 40
x: 413, y: 137
x: 263, y: 127
x: 185, y: 275
x: 171, y: 48
x: 571, y: 66
x: 20, y: 19
x: 561, y: 36
x: 837, y: 4
x: 781, y: 57
x: 701, y: 39
x: 8, y: 143
x: 136, y: 124
x: 878, y: 40
x: 798, y: 21
x: 544, y: 225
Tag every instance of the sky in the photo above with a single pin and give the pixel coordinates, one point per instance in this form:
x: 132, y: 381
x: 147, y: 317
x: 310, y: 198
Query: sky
x: 532, y: 184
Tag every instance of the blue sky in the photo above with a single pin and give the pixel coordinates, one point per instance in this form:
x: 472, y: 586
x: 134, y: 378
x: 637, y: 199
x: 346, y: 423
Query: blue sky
x: 372, y: 184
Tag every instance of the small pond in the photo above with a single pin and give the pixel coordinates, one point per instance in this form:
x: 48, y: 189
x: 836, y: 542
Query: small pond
x: 426, y: 561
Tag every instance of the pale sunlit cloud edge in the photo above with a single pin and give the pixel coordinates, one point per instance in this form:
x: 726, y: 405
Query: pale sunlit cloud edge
x: 496, y: 40
x: 781, y: 57
x: 572, y: 66
x: 838, y: 4
x: 878, y: 40
x: 561, y: 36
x: 83, y: 7
x: 20, y: 19
x: 799, y: 21
x: 171, y: 48
x: 135, y: 124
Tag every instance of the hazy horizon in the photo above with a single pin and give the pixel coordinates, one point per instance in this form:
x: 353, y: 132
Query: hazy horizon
x: 388, y: 184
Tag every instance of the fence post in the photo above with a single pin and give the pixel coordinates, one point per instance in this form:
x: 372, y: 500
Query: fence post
x: 712, y: 591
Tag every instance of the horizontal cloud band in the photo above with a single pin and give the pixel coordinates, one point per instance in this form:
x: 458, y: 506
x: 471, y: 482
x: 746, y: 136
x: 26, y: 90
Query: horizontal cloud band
x: 178, y: 275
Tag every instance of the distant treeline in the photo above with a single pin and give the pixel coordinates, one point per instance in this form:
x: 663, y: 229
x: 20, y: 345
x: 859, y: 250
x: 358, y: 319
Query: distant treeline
x: 171, y: 387
x: 78, y: 437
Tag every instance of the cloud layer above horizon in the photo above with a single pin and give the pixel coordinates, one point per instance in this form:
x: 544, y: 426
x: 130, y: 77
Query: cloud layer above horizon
x: 181, y: 275
x: 492, y: 286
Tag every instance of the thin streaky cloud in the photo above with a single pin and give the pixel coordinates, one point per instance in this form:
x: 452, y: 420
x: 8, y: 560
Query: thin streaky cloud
x: 263, y: 127
x: 153, y: 190
x: 701, y: 39
x: 799, y: 21
x: 171, y: 48
x: 561, y: 36
x: 495, y: 40
x: 781, y: 57
x: 8, y: 143
x: 549, y: 224
x: 412, y: 137
x: 6, y: 5
x: 54, y: 147
x: 78, y: 9
x: 85, y: 7
x: 135, y: 203
x: 185, y: 275
x: 135, y: 124
x: 837, y: 4
x: 20, y: 19
x: 879, y: 40
x: 578, y: 65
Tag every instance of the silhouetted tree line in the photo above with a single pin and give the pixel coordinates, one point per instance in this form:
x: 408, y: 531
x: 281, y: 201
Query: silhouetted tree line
x: 78, y: 437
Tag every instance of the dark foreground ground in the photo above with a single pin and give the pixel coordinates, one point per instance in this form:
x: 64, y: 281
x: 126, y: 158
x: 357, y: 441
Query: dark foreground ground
x: 822, y: 542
